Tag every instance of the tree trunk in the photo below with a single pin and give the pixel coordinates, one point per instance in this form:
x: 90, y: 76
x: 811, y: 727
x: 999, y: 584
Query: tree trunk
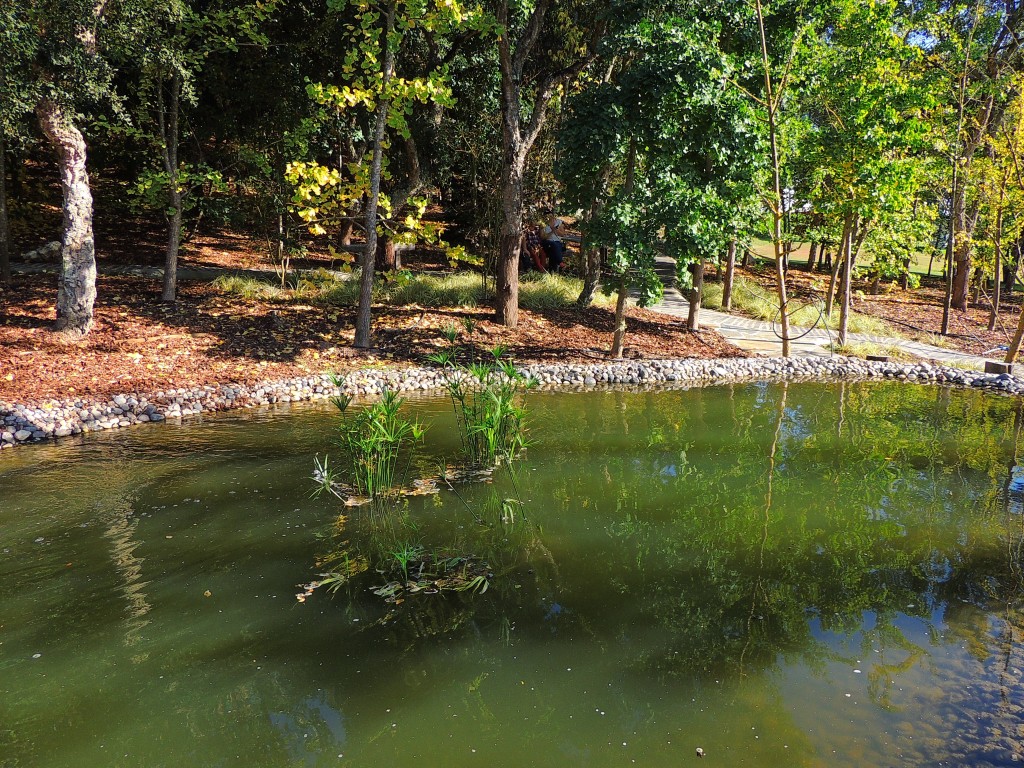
x: 812, y: 256
x: 996, y: 282
x: 169, y: 131
x: 620, y: 318
x: 369, y: 254
x: 5, y: 230
x: 844, y: 305
x: 510, y: 241
x: 777, y: 199
x: 591, y: 275
x: 730, y: 276
x: 696, y: 294
x: 76, y: 285
x: 516, y: 143
x: 592, y: 255
x: 998, y: 270
x: 1011, y: 353
x: 387, y: 257
x: 830, y: 296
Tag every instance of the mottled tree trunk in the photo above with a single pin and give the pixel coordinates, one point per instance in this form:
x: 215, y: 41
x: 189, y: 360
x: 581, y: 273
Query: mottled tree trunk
x: 168, y: 120
x: 620, y: 318
x: 5, y: 230
x: 510, y: 240
x: 369, y: 255
x: 76, y: 285
x: 696, y: 294
x: 730, y: 276
x: 830, y: 295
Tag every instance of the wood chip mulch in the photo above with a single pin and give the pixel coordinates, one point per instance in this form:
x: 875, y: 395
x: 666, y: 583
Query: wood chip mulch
x: 140, y: 345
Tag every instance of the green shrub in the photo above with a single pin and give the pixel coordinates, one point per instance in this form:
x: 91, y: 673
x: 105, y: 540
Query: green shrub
x: 461, y: 289
x: 249, y: 287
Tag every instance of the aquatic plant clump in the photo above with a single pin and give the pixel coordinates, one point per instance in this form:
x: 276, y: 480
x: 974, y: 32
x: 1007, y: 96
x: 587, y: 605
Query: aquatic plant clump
x: 372, y: 442
x: 487, y: 402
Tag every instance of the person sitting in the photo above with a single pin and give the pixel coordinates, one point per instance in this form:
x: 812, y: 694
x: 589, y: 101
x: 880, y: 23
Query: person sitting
x: 551, y: 241
x: 532, y: 253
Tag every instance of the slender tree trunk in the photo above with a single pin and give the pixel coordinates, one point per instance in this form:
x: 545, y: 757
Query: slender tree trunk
x: 844, y: 306
x: 170, y: 133
x: 76, y: 285
x: 947, y: 299
x: 837, y: 266
x: 517, y: 141
x: 730, y: 276
x: 996, y: 282
x: 961, y: 256
x: 5, y: 230
x: 696, y: 294
x: 998, y: 271
x: 592, y: 254
x: 591, y: 276
x: 777, y: 201
x: 367, y: 258
x: 1018, y: 334
x: 620, y: 318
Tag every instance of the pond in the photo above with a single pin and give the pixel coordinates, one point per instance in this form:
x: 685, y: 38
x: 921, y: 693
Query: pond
x: 803, y: 574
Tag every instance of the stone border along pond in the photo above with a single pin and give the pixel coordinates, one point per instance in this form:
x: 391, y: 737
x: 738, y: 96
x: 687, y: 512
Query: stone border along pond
x: 22, y: 423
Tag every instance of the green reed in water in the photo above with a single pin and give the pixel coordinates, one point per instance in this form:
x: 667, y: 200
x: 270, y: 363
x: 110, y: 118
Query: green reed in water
x: 372, y: 441
x: 487, y: 402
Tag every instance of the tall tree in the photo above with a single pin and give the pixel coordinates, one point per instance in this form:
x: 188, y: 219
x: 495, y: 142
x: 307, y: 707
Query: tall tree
x: 61, y: 44
x: 374, y: 84
x: 980, y: 41
x: 531, y: 74
x: 181, y: 36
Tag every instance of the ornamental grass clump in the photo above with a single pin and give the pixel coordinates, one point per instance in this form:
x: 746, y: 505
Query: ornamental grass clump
x: 373, y: 441
x: 487, y: 402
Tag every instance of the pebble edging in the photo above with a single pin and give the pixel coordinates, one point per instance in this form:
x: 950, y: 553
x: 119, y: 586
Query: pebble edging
x: 22, y: 423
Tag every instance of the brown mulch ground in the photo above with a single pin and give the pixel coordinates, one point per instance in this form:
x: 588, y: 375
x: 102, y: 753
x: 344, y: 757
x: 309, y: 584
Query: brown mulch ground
x: 915, y: 314
x: 141, y: 345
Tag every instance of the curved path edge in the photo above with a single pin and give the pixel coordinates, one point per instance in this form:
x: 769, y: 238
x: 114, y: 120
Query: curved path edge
x: 25, y: 423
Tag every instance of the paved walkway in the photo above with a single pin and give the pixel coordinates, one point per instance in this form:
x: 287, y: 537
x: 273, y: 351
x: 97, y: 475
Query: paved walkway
x: 758, y: 337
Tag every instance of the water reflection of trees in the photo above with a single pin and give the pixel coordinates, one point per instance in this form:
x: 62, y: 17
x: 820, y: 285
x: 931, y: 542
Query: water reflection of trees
x: 834, y: 509
x: 749, y: 522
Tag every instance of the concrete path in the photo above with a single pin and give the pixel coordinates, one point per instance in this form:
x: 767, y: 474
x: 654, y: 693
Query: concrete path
x: 759, y: 338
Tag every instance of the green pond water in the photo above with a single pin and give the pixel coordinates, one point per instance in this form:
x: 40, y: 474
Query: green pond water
x: 801, y: 575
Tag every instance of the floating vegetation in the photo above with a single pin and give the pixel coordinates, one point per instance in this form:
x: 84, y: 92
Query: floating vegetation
x: 414, y: 571
x: 372, y: 442
x: 486, y: 398
x: 431, y: 574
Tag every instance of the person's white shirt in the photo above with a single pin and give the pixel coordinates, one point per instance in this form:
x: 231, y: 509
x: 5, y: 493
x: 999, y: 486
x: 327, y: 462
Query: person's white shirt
x: 550, y: 231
